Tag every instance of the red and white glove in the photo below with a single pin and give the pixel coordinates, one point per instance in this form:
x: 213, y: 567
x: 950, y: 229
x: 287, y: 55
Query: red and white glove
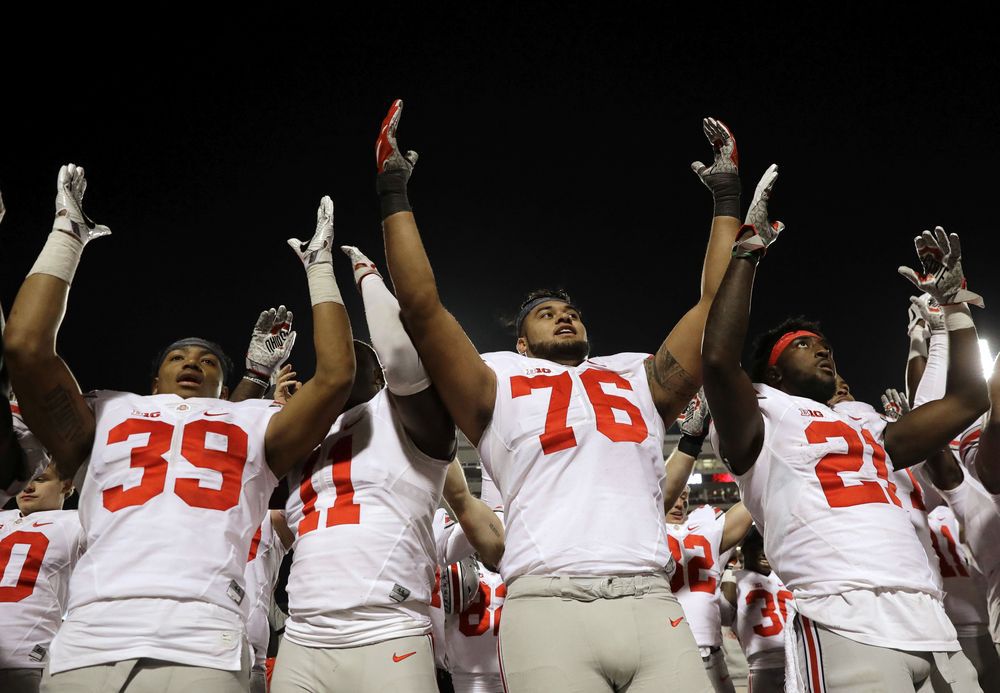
x: 363, y: 267
x: 758, y: 232
x: 387, y: 156
x: 894, y: 404
x: 940, y: 256
x: 270, y: 343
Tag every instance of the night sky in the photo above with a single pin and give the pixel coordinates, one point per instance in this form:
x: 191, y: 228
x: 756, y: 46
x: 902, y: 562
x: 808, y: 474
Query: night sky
x: 553, y: 152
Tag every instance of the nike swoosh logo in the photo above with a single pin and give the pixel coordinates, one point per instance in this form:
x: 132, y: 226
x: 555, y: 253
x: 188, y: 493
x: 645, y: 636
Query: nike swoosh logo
x: 400, y: 658
x: 41, y: 524
x: 676, y: 621
x: 221, y: 413
x: 691, y: 529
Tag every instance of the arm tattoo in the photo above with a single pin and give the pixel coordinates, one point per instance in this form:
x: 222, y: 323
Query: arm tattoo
x: 664, y: 370
x: 59, y: 407
x: 494, y: 529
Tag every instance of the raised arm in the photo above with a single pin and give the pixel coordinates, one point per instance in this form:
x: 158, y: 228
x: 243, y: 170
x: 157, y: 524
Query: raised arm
x: 674, y: 372
x: 305, y: 420
x: 271, y: 345
x: 728, y: 388
x: 738, y: 523
x: 467, y: 386
x: 417, y: 404
x: 930, y: 427
x: 480, y: 524
x: 988, y: 454
x: 50, y: 399
x: 694, y: 429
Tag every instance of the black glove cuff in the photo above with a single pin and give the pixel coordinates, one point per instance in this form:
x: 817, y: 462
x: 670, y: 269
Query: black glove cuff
x: 391, y: 188
x: 690, y: 445
x: 725, y: 188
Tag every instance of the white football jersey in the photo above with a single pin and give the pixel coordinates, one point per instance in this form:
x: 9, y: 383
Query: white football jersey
x: 263, y: 563
x: 362, y: 508
x: 36, y: 456
x: 977, y: 511
x: 37, y: 556
x: 908, y: 491
x: 966, y: 446
x: 835, y: 529
x: 472, y: 635
x: 587, y: 438
x: 763, y: 608
x: 965, y: 587
x: 175, y: 490
x: 694, y: 545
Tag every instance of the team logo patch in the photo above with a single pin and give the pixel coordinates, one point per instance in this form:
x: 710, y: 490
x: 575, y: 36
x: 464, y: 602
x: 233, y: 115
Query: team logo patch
x: 399, y: 593
x: 235, y: 592
x: 812, y: 412
x: 37, y: 653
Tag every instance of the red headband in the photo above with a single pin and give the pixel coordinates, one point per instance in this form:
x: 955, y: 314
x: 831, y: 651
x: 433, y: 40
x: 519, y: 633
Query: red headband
x: 786, y: 339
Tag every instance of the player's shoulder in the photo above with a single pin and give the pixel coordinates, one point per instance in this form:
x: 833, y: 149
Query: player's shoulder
x: 625, y: 362
x: 504, y: 359
x: 7, y: 516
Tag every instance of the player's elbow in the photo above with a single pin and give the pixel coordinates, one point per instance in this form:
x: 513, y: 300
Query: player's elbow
x: 24, y: 347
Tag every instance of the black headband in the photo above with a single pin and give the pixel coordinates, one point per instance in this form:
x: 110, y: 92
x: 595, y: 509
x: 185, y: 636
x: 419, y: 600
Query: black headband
x: 531, y: 305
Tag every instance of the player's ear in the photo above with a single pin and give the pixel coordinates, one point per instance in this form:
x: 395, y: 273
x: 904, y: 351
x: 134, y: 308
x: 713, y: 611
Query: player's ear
x: 522, y: 346
x: 225, y: 393
x: 68, y: 489
x: 156, y: 386
x: 773, y: 376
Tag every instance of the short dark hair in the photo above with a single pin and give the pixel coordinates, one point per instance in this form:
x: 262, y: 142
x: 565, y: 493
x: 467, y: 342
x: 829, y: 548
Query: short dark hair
x: 753, y: 541
x: 225, y: 363
x: 765, y: 342
x: 517, y: 321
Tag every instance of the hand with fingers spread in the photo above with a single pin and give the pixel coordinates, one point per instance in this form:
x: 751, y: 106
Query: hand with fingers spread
x: 394, y: 168
x: 363, y: 267
x: 940, y: 257
x: 270, y: 344
x: 70, y: 218
x: 894, y: 404
x: 285, y: 384
x: 758, y: 232
x: 722, y: 177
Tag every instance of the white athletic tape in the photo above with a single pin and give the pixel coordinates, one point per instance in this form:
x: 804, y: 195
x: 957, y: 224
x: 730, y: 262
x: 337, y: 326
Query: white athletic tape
x: 59, y: 257
x: 322, y: 284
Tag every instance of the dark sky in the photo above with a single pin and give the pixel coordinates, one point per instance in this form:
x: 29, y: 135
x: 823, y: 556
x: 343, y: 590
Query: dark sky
x: 555, y: 150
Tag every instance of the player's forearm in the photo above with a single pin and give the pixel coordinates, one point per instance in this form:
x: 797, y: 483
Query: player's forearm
x: 334, y: 346
x: 678, y: 471
x: 483, y: 530
x: 966, y: 386
x: 728, y: 322
x: 934, y: 378
x: 409, y: 267
x: 404, y: 374
x: 914, y: 374
x: 725, y: 229
x: 247, y: 389
x: 34, y: 320
x: 943, y: 470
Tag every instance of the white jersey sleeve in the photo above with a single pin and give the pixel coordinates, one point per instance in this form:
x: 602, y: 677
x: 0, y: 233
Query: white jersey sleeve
x: 175, y: 490
x: 263, y: 563
x: 834, y: 526
x: 695, y: 582
x: 763, y: 609
x: 37, y: 557
x: 588, y: 437
x: 362, y: 508
x: 36, y: 457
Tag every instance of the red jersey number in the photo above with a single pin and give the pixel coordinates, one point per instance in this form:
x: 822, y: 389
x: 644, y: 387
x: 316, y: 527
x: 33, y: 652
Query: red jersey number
x: 768, y: 611
x: 344, y: 510
x: 695, y: 564
x: 476, y: 619
x: 37, y: 543
x: 194, y: 448
x: 557, y: 435
x: 828, y: 469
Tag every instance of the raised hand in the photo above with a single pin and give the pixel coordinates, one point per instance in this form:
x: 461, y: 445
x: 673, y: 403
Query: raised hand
x: 270, y: 343
x: 894, y: 404
x: 362, y: 266
x: 758, y: 232
x: 727, y: 158
x: 928, y: 310
x: 696, y: 417
x: 940, y: 257
x: 319, y: 249
x: 70, y: 189
x: 387, y: 155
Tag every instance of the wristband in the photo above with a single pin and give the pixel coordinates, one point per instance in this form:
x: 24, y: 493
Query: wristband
x: 957, y: 316
x: 690, y: 445
x: 255, y: 380
x: 59, y: 257
x: 725, y: 189
x: 391, y: 188
x: 322, y: 284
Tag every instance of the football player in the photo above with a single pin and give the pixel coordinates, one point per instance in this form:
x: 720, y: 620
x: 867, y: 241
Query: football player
x: 361, y: 507
x: 177, y: 481
x: 817, y: 481
x: 588, y: 602
x: 39, y: 547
